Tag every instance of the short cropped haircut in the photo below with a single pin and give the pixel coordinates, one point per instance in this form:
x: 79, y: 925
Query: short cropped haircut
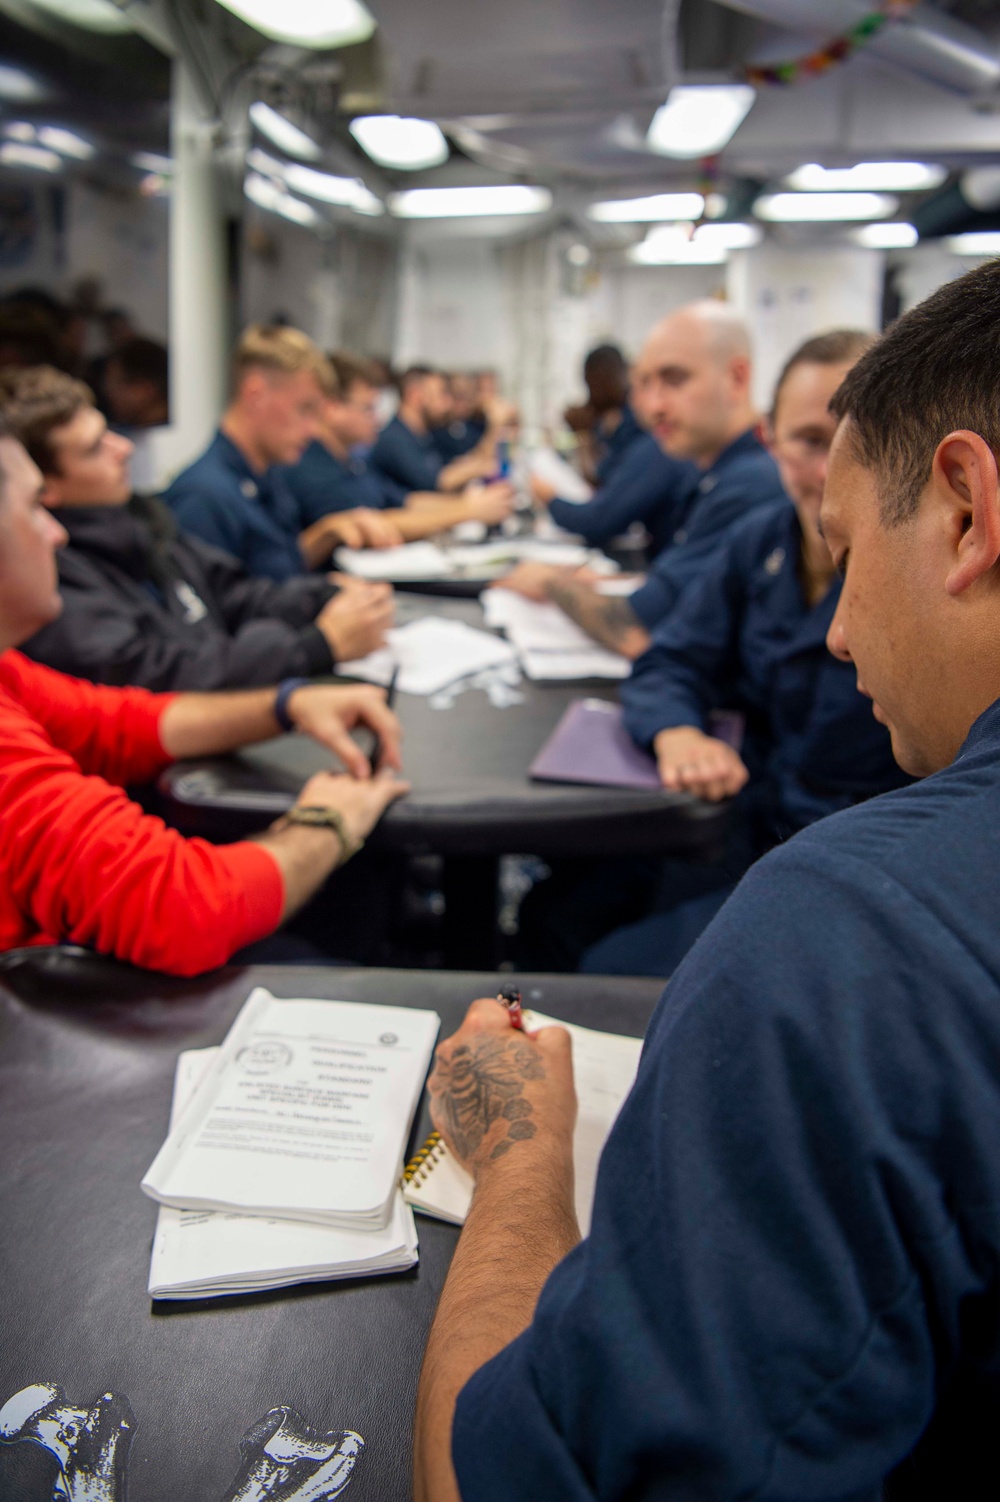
x: 605, y: 357
x: 352, y: 370
x: 414, y: 373
x: 35, y: 402
x: 838, y: 347
x: 144, y: 360
x: 933, y: 372
x: 287, y: 351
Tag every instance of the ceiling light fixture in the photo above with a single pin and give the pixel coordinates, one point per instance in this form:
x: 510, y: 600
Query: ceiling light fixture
x: 152, y: 161
x: 66, y: 142
x: 658, y: 206
x: 92, y: 15
x: 815, y: 208
x: 895, y: 235
x: 463, y: 203
x: 699, y: 119
x: 346, y: 192
x: 979, y: 242
x: 38, y: 158
x: 307, y: 23
x: 267, y: 195
x: 673, y: 245
x: 283, y: 134
x: 878, y: 177
x: 730, y: 235
x: 397, y: 141
x: 18, y: 86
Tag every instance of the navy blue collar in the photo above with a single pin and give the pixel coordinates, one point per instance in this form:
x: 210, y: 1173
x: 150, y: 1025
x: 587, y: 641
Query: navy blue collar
x: 983, y: 731
x: 742, y: 447
x: 234, y: 458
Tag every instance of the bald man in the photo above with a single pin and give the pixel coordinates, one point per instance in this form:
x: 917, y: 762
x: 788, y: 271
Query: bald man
x: 691, y: 389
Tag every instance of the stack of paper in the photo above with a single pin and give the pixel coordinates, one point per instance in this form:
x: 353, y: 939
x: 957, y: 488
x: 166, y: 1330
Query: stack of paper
x: 413, y: 560
x: 200, y: 1253
x: 551, y: 468
x: 303, y: 1116
x: 430, y: 653
x: 604, y: 1067
x: 548, y: 643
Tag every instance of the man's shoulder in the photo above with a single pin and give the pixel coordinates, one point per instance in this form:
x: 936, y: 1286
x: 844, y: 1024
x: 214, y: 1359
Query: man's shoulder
x: 207, y: 477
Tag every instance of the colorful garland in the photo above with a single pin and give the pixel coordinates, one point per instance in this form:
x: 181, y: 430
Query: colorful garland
x: 837, y: 50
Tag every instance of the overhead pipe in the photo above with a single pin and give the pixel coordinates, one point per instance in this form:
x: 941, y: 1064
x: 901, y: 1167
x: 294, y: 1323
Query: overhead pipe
x: 923, y: 41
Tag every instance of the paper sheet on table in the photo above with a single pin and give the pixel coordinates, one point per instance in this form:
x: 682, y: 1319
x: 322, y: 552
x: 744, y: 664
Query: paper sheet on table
x: 430, y: 654
x: 604, y: 1067
x: 414, y: 560
x: 198, y: 1253
x: 548, y: 466
x: 302, y: 1115
x: 549, y: 644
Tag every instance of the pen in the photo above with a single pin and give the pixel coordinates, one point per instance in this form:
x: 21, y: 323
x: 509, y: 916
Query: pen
x: 510, y: 997
x: 390, y: 699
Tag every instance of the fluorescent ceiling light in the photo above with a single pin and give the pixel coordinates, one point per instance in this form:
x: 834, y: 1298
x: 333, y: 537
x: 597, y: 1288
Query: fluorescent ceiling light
x: 18, y: 154
x: 309, y: 23
x: 19, y: 130
x: 648, y: 210
x: 979, y: 242
x: 699, y: 119
x: 94, y: 15
x: 461, y: 203
x: 282, y: 133
x: 673, y: 245
x: 804, y: 208
x: 892, y: 236
x: 347, y: 192
x: 17, y: 85
x: 396, y: 141
x: 879, y: 177
x: 267, y: 195
x: 729, y: 236
x: 66, y: 142
x: 152, y: 161
x: 262, y: 161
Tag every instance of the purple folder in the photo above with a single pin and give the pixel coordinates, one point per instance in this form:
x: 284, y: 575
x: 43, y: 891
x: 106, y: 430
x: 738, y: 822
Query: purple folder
x: 591, y: 745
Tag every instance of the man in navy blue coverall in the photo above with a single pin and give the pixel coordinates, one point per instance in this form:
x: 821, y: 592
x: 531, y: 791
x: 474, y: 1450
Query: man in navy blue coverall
x: 692, y: 389
x: 792, y: 1277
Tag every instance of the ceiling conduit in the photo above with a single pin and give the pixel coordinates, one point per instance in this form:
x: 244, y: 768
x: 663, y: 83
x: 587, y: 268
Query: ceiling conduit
x: 925, y: 41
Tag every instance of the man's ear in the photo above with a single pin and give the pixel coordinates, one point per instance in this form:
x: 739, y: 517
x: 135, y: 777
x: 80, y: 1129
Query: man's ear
x: 964, y: 472
x: 51, y: 492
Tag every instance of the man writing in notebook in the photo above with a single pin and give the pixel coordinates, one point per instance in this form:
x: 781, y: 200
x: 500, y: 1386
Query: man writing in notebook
x: 790, y: 1283
x: 79, y: 861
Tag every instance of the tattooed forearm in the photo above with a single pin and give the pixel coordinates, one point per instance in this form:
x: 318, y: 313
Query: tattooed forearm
x: 483, y: 1083
x: 610, y: 620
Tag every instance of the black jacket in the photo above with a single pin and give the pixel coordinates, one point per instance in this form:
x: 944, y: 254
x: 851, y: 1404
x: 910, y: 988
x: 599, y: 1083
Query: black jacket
x: 145, y: 604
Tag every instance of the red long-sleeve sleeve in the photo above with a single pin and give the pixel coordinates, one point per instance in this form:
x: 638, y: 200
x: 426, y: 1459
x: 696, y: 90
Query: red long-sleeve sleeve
x: 80, y: 861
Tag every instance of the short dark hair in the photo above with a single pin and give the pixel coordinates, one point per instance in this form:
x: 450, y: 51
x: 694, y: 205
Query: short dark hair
x: 141, y: 359
x: 607, y: 357
x: 414, y: 373
x: 833, y: 348
x: 36, y: 401
x: 932, y: 372
x: 352, y: 369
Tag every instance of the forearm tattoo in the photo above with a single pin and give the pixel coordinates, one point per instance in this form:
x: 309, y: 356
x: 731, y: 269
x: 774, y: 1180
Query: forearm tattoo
x: 608, y: 619
x: 482, y: 1083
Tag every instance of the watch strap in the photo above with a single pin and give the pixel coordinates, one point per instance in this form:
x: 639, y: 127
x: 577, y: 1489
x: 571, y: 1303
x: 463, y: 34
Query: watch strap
x: 321, y: 817
x: 286, y: 688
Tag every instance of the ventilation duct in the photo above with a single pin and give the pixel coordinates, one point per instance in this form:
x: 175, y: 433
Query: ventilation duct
x: 925, y: 41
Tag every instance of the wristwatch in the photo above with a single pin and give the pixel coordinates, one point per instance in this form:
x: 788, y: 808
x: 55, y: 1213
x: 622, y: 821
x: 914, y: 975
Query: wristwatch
x: 316, y: 816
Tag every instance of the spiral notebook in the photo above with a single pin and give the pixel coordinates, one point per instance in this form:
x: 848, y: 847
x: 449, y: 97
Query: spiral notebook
x: 604, y: 1067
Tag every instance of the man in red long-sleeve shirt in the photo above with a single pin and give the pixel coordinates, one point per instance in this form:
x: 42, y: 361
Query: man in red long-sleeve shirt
x: 79, y: 860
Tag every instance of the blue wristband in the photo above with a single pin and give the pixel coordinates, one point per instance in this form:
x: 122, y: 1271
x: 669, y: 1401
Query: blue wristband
x: 286, y: 688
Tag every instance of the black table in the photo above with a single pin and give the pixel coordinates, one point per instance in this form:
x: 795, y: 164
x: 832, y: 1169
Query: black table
x: 87, y: 1054
x: 472, y: 800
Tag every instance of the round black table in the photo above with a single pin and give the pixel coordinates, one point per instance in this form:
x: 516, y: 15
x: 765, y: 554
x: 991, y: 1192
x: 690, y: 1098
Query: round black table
x: 87, y: 1056
x: 472, y: 799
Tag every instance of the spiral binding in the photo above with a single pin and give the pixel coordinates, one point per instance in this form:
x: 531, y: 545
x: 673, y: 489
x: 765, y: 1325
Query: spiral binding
x: 420, y: 1165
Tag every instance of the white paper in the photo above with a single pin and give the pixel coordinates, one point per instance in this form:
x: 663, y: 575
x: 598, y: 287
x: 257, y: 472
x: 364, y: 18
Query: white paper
x: 412, y: 560
x: 604, y: 1068
x: 549, y: 645
x: 430, y: 653
x: 303, y: 1114
x: 549, y: 467
x: 197, y: 1253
